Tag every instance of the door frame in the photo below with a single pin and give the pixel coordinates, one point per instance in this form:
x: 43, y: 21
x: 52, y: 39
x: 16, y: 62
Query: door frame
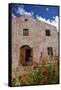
x: 22, y: 61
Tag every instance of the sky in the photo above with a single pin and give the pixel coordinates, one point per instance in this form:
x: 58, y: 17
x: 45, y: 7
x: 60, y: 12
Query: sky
x: 48, y: 14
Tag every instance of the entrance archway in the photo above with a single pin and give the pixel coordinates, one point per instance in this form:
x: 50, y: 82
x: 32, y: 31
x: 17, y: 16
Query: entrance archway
x: 26, y: 55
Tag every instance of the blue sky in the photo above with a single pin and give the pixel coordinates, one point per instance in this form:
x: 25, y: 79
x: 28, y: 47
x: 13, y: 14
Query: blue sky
x: 50, y: 14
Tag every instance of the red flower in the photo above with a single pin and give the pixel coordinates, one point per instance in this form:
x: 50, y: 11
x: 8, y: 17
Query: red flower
x: 44, y: 71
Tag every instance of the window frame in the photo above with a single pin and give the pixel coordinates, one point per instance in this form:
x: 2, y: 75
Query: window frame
x: 47, y: 32
x: 50, y: 50
x: 25, y: 32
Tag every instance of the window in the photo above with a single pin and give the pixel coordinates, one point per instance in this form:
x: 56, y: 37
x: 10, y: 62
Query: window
x: 25, y: 32
x: 25, y: 19
x: 50, y: 51
x: 47, y: 32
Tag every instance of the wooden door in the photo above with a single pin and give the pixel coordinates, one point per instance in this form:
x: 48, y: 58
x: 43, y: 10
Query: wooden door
x: 31, y: 56
x: 22, y: 56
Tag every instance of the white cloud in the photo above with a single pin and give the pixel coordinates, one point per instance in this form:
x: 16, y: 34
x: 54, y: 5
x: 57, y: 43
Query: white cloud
x: 52, y: 22
x: 13, y: 15
x: 21, y: 11
x: 56, y: 22
x: 22, y: 6
x: 47, y: 9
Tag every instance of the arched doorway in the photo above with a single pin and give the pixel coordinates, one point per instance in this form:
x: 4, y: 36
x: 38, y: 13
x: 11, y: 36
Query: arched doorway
x: 26, y: 55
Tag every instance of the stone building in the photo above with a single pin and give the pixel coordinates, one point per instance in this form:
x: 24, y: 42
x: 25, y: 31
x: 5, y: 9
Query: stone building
x: 31, y: 38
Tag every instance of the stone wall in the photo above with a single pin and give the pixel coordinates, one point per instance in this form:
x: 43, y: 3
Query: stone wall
x: 37, y: 38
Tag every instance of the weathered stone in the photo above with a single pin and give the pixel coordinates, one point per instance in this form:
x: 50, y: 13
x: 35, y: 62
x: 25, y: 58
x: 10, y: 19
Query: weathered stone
x: 37, y: 38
